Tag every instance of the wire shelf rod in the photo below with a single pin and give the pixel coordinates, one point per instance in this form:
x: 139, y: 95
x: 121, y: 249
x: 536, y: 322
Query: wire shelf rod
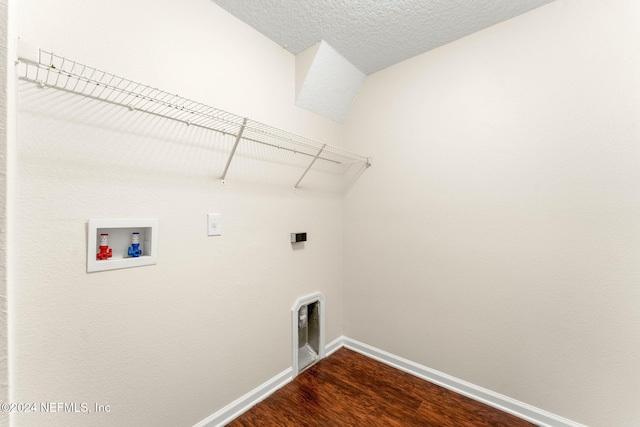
x: 295, y: 151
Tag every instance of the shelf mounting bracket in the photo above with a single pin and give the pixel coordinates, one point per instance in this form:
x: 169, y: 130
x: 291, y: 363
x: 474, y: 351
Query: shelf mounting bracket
x: 233, y: 150
x: 309, y: 167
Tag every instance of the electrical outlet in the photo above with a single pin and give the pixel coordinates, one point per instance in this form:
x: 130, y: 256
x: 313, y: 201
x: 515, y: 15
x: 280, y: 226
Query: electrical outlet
x: 214, y: 224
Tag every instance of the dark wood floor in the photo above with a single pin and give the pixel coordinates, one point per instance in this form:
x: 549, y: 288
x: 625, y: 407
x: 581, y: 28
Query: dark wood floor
x: 349, y: 389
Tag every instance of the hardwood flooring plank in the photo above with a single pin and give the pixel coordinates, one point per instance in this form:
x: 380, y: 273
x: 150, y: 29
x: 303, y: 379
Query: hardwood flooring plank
x: 363, y: 374
x: 356, y: 404
x: 349, y: 389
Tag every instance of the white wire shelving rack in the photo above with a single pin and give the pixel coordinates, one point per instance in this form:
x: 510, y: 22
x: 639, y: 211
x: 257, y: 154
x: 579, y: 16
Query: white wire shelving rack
x: 47, y: 69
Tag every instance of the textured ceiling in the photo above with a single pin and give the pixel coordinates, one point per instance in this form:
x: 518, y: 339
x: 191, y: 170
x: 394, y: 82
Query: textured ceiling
x: 373, y: 34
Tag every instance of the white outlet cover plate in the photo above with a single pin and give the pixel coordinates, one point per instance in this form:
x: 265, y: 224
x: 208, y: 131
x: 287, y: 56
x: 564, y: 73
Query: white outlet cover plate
x: 214, y: 224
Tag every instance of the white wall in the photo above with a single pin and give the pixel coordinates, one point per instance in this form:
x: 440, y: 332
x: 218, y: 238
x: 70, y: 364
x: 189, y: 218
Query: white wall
x: 496, y: 237
x: 6, y: 157
x: 168, y: 344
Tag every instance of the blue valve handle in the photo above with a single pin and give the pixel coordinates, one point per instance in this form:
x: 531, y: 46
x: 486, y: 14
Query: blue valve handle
x: 135, y: 250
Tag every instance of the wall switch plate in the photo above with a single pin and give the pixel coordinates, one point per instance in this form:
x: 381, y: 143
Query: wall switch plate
x: 214, y: 224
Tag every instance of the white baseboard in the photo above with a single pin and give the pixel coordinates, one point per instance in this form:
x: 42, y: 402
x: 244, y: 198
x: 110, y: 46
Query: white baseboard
x: 506, y: 404
x: 334, y: 346
x: 246, y: 402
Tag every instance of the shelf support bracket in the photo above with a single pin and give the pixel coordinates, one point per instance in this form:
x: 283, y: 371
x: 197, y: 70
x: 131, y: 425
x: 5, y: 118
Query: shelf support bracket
x: 233, y: 150
x: 309, y: 167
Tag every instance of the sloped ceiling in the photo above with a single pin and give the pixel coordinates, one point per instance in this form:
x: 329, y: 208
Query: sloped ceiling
x: 373, y: 34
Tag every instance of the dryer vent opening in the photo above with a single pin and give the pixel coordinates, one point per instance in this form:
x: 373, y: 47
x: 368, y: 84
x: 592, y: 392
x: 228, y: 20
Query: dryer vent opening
x: 308, y: 333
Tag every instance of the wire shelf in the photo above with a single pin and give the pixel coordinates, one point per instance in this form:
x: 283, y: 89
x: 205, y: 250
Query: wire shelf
x: 51, y: 70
